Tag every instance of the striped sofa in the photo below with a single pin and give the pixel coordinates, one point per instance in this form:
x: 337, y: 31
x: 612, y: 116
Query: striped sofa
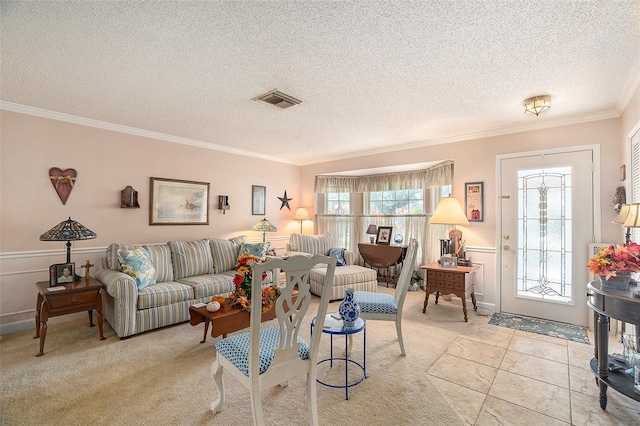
x: 187, y: 272
x: 348, y: 276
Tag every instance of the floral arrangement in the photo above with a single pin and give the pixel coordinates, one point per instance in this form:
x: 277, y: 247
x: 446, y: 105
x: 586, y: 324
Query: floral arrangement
x: 242, y: 295
x: 613, y: 260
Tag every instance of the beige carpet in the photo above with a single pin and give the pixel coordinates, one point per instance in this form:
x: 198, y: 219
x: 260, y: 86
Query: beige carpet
x: 163, y: 378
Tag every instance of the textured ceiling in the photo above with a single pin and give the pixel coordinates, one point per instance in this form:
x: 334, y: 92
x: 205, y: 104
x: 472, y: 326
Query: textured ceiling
x: 372, y: 76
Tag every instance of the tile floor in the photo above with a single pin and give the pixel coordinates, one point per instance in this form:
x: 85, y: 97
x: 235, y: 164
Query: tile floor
x: 494, y: 375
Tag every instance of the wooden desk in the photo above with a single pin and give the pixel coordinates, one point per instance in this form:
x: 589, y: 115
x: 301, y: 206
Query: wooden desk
x: 447, y: 281
x: 83, y: 295
x: 620, y: 305
x: 382, y: 256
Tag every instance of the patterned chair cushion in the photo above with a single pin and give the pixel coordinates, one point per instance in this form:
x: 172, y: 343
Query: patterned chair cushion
x: 312, y: 244
x: 137, y: 264
x: 380, y: 303
x: 191, y: 258
x: 236, y: 349
x: 225, y: 252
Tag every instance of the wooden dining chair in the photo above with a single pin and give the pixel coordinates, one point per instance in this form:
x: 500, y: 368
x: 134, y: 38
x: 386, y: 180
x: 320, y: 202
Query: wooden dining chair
x: 264, y: 357
x: 386, y: 307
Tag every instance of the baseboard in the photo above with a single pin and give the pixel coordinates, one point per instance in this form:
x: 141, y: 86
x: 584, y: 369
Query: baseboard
x: 17, y: 326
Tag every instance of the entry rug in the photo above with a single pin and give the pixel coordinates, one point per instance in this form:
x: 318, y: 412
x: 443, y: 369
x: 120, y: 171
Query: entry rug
x: 540, y: 326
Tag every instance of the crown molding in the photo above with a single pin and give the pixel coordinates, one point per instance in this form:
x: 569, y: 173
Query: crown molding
x: 39, y: 112
x: 629, y: 88
x: 603, y: 115
x: 53, y: 115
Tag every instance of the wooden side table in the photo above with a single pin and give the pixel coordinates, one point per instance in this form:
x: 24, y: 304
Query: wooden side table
x: 447, y: 281
x: 83, y: 295
x: 382, y: 256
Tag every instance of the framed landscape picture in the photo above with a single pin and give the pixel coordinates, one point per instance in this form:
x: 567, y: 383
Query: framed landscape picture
x: 178, y: 202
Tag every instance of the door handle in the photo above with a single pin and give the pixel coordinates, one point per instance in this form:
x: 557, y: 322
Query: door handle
x: 505, y: 248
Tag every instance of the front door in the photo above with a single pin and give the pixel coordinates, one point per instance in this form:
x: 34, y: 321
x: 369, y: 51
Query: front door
x: 546, y: 227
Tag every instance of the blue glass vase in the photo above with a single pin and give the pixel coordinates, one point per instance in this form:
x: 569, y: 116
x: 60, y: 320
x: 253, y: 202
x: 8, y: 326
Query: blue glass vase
x: 349, y: 309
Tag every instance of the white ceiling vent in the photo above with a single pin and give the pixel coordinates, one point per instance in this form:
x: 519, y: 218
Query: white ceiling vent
x: 278, y: 99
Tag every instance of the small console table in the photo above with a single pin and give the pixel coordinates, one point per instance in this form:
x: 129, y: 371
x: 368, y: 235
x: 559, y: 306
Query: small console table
x: 83, y: 295
x: 382, y: 256
x: 447, y: 281
x: 620, y: 305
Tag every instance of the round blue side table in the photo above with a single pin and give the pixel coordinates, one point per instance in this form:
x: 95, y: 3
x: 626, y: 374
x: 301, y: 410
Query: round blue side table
x: 338, y: 328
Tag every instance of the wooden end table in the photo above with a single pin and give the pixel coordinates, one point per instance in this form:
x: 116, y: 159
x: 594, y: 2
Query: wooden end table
x: 227, y: 319
x: 83, y: 295
x: 447, y: 281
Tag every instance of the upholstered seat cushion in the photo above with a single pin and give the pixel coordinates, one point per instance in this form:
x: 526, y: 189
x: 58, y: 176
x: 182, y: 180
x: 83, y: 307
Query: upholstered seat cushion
x: 209, y: 285
x: 379, y: 303
x: 353, y: 276
x: 161, y: 294
x: 236, y: 349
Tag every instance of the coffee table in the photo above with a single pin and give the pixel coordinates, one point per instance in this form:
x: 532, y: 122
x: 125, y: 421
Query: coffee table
x: 227, y: 319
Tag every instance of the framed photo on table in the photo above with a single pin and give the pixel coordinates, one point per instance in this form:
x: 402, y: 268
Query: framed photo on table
x: 258, y: 200
x: 449, y: 262
x: 62, y: 273
x: 384, y: 235
x: 474, y: 201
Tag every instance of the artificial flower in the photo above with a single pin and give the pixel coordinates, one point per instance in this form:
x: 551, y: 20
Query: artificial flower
x: 613, y: 260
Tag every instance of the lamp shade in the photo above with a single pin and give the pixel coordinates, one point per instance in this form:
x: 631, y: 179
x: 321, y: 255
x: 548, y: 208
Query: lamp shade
x: 68, y: 230
x: 633, y: 218
x: 264, y: 226
x: 622, y: 216
x: 449, y: 212
x: 301, y: 214
x: 372, y: 230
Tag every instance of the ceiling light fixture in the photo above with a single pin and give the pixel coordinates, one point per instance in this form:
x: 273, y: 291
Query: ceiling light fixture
x: 537, y: 104
x: 278, y: 99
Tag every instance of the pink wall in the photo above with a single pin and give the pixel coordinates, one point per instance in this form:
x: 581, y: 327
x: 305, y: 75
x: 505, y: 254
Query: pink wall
x: 107, y: 162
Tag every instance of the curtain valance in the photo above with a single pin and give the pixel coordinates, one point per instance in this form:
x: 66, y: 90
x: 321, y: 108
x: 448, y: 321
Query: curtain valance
x: 437, y: 175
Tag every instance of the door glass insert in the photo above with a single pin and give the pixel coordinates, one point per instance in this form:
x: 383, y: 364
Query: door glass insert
x: 543, y: 270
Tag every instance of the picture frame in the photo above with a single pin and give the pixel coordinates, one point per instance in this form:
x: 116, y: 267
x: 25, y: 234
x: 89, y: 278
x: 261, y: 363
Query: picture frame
x: 449, y: 262
x: 474, y: 201
x: 258, y: 200
x: 178, y: 202
x: 594, y: 248
x: 383, y: 236
x: 62, y: 273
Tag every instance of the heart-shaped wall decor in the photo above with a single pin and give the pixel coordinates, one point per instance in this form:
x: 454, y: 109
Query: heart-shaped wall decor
x: 63, y: 181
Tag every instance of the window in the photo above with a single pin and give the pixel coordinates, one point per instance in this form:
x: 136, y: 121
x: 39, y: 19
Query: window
x: 338, y: 203
x: 400, y: 202
x: 635, y: 179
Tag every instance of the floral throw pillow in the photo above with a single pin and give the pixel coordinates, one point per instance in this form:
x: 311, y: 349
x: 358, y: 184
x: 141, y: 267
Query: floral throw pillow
x: 339, y: 252
x: 136, y: 262
x: 259, y: 250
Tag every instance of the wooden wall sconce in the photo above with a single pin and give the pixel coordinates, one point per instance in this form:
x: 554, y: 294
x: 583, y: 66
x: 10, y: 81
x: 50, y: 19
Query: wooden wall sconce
x: 129, y: 198
x: 223, y: 201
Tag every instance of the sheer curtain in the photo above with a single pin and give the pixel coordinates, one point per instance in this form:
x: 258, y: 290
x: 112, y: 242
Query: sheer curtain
x: 348, y: 230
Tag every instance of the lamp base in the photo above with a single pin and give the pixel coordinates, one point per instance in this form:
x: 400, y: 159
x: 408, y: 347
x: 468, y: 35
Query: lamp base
x: 372, y: 240
x: 455, y: 235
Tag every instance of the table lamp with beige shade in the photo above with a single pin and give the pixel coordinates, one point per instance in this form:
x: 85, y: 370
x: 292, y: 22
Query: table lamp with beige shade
x: 449, y: 212
x: 301, y: 215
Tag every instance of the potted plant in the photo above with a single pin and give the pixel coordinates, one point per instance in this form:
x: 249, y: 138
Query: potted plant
x: 615, y: 264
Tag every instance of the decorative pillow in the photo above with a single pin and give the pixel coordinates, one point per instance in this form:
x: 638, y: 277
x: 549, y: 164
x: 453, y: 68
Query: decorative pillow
x: 339, y: 252
x: 112, y: 257
x: 191, y: 258
x: 259, y: 250
x: 312, y: 244
x: 225, y: 252
x: 160, y: 255
x: 136, y: 263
